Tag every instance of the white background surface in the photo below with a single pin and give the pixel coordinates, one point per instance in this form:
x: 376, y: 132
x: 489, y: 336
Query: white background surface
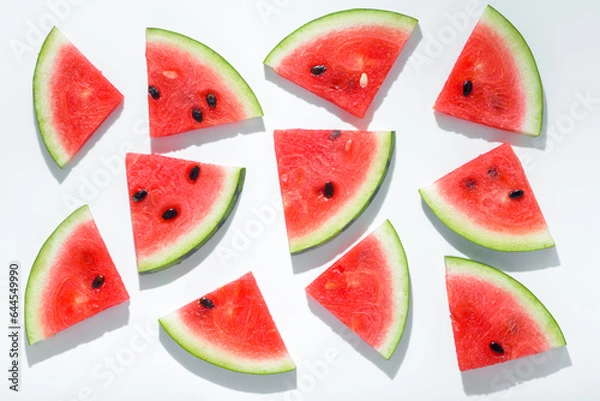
x: 122, y: 354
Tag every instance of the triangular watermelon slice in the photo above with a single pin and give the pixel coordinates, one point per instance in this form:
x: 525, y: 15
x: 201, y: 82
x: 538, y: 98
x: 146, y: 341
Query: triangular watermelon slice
x: 489, y: 201
x: 327, y: 179
x: 495, y: 80
x: 368, y: 289
x: 343, y: 57
x: 71, y: 97
x: 73, y: 278
x: 231, y: 327
x: 190, y: 86
x: 494, y: 317
x: 177, y: 206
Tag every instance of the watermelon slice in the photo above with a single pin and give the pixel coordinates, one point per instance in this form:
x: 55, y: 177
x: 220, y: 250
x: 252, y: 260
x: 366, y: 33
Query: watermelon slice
x: 343, y: 57
x: 231, y: 327
x: 494, y: 317
x: 368, y: 289
x: 495, y: 80
x: 327, y: 179
x: 71, y: 97
x: 177, y: 206
x: 190, y: 86
x: 490, y: 202
x: 73, y: 278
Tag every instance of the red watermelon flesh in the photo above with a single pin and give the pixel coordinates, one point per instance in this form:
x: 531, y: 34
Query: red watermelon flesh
x: 184, y: 77
x: 72, y: 98
x: 61, y: 290
x: 487, y: 306
x: 368, y: 289
x: 200, y: 205
x: 231, y: 327
x: 490, y: 201
x: 353, y: 162
x: 354, y: 49
x: 505, y: 90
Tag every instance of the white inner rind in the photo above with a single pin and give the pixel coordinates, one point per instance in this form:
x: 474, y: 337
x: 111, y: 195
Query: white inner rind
x: 232, y: 182
x: 205, y: 55
x: 400, y: 281
x: 529, y: 303
x: 42, y: 95
x: 530, y: 77
x: 320, y: 27
x: 38, y: 277
x: 355, y: 205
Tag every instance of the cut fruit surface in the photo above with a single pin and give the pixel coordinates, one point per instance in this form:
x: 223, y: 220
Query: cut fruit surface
x: 177, y: 206
x: 190, y: 86
x: 327, y: 179
x: 489, y: 201
x: 71, y: 97
x: 231, y: 327
x: 494, y: 317
x: 495, y: 80
x: 368, y: 289
x: 343, y: 57
x: 73, y: 278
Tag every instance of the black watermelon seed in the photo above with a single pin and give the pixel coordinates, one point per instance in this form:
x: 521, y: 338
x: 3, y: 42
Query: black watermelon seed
x: 328, y: 190
x: 139, y: 195
x: 497, y: 348
x: 197, y: 115
x: 516, y: 194
x: 207, y: 303
x: 318, y: 70
x: 153, y: 92
x: 492, y: 172
x: 470, y: 183
x: 169, y: 214
x: 211, y: 99
x: 98, y: 281
x: 194, y: 172
x: 467, y: 88
x: 335, y: 134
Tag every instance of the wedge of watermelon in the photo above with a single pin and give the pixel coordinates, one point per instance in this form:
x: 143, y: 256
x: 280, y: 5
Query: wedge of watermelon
x: 190, y: 86
x: 327, y: 179
x: 494, y: 317
x: 368, y: 289
x: 71, y: 97
x: 343, y: 57
x: 490, y: 202
x: 495, y: 80
x: 73, y: 278
x: 231, y: 327
x: 177, y: 206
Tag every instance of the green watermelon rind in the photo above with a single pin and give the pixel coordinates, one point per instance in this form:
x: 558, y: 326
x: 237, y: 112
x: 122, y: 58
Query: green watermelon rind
x: 531, y: 305
x: 462, y: 224
x: 354, y: 209
x: 38, y: 276
x: 203, y: 232
x: 527, y: 66
x: 316, y: 28
x: 205, y: 55
x: 398, y: 267
x: 42, y: 96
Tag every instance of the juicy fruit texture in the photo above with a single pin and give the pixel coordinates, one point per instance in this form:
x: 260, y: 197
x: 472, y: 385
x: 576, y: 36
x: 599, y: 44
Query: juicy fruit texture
x: 368, y: 289
x: 327, y: 179
x: 489, y: 201
x: 64, y: 285
x: 495, y: 80
x: 231, y: 327
x: 191, y: 86
x: 487, y: 306
x: 177, y: 206
x: 343, y: 57
x: 71, y: 97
